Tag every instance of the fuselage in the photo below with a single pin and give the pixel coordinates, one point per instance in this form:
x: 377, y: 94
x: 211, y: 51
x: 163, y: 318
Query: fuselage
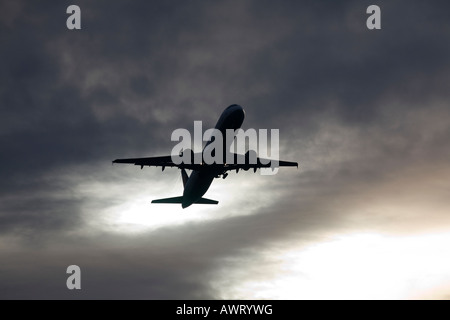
x: 200, y: 180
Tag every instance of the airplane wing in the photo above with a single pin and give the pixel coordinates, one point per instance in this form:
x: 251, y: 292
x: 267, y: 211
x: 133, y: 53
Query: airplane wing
x: 164, y: 161
x: 245, y: 164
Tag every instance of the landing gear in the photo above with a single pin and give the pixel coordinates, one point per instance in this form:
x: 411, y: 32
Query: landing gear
x: 224, y: 175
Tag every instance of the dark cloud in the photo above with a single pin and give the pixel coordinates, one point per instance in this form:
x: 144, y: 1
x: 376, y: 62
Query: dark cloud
x: 364, y: 112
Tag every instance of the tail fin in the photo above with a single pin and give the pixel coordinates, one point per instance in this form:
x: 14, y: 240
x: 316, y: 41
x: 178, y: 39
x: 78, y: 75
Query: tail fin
x: 206, y: 201
x: 169, y: 200
x: 184, y: 176
x: 180, y: 200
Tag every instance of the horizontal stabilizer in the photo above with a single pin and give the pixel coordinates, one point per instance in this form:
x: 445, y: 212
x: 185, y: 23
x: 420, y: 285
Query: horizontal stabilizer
x: 207, y: 201
x: 169, y: 200
x: 180, y: 200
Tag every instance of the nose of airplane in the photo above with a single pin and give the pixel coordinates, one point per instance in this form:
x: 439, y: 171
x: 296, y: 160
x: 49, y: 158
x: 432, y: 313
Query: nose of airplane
x: 240, y: 110
x: 236, y: 107
x: 237, y: 110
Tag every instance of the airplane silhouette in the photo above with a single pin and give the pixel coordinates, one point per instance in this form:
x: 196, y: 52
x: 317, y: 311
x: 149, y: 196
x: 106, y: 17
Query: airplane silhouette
x: 203, y: 174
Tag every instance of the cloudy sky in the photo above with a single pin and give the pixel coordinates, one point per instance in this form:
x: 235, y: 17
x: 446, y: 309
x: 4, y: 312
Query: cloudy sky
x: 365, y: 112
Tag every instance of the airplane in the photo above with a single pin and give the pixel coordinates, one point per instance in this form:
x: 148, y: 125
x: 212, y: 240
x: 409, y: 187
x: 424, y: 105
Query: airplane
x: 196, y: 185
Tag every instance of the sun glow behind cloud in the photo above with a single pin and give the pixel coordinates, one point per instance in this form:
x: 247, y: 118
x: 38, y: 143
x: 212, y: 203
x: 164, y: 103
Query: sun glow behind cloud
x: 138, y: 214
x: 122, y: 202
x: 352, y: 266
